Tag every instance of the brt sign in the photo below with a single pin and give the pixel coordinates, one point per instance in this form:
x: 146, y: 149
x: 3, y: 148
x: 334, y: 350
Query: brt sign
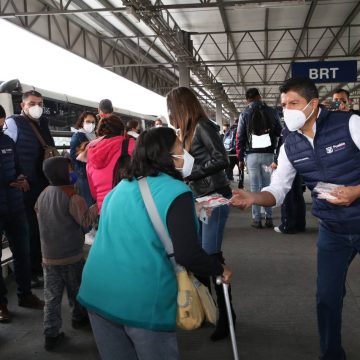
x: 326, y: 71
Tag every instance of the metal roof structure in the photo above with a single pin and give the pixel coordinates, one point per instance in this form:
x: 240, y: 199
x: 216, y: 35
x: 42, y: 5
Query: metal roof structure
x: 227, y: 45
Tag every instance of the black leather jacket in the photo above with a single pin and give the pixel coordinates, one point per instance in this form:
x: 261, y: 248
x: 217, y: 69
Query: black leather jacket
x: 208, y: 173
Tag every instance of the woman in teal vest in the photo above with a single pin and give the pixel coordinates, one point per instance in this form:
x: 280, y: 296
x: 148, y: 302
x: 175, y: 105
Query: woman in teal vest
x: 129, y: 286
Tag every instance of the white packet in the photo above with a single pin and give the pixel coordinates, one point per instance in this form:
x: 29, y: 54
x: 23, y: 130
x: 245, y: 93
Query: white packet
x: 324, y: 189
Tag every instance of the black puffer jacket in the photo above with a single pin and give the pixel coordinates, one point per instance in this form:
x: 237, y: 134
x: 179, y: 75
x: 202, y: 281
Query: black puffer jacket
x: 208, y: 173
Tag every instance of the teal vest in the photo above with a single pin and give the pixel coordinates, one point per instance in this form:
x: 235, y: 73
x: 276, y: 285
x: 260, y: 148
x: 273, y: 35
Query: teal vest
x: 128, y: 277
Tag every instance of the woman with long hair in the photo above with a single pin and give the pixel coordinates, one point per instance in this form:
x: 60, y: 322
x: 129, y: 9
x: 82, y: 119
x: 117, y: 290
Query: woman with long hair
x: 129, y: 285
x: 200, y: 137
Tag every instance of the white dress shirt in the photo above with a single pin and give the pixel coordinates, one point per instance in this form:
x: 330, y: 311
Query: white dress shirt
x: 283, y: 177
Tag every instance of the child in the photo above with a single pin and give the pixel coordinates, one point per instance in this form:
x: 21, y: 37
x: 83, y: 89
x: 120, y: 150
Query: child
x: 61, y: 214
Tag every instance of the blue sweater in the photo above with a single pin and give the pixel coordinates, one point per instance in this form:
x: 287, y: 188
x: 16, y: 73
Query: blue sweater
x: 128, y: 277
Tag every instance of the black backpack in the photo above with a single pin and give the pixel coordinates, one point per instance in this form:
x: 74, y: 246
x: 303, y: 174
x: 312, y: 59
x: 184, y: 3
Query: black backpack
x: 260, y: 123
x: 230, y: 139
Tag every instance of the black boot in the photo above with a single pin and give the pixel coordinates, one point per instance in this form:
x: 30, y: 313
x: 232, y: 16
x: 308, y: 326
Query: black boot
x: 222, y: 326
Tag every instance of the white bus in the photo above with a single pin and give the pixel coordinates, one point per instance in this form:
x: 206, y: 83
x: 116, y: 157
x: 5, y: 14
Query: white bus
x: 61, y: 110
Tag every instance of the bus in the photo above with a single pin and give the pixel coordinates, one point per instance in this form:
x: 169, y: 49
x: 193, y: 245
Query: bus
x: 61, y: 110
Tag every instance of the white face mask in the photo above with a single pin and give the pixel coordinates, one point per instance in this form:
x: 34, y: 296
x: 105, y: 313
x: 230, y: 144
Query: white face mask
x: 89, y: 127
x: 296, y: 119
x: 188, y: 163
x: 35, y: 111
x: 158, y: 125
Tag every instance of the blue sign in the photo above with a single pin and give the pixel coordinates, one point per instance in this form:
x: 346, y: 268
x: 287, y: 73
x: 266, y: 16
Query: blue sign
x: 326, y: 71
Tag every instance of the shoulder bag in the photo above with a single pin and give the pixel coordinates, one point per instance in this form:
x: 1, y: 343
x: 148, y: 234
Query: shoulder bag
x: 194, y: 302
x: 49, y: 151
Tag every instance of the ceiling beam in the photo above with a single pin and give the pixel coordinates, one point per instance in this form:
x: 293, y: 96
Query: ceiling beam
x: 303, y: 33
x: 231, y: 40
x: 353, y: 13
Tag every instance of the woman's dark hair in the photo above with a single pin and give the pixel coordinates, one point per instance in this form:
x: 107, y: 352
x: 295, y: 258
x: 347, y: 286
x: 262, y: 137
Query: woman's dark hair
x: 2, y: 112
x: 110, y: 126
x: 132, y: 124
x: 80, y: 121
x: 301, y: 85
x: 152, y: 155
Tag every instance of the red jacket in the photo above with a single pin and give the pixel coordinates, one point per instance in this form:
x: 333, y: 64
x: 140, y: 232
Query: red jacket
x: 102, y: 157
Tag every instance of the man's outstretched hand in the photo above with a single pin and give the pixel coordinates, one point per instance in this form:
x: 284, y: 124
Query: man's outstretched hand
x: 242, y: 199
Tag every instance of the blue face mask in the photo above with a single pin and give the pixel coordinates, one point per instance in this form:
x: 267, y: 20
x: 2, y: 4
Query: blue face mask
x: 73, y: 177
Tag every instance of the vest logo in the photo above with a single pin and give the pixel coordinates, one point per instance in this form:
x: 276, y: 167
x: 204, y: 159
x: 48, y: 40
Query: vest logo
x: 300, y: 160
x: 6, y: 151
x: 335, y: 148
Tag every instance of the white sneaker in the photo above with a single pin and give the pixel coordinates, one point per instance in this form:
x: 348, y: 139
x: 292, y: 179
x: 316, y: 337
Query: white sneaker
x: 277, y: 229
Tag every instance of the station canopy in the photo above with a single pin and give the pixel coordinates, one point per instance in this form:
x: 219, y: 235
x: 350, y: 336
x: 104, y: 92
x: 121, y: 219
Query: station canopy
x: 228, y: 46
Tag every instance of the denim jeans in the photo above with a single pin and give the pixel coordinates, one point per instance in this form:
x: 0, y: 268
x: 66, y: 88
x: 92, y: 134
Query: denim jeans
x: 82, y: 186
x: 56, y: 279
x: 335, y: 254
x: 212, y: 233
x: 15, y: 228
x: 259, y: 178
x: 115, y: 341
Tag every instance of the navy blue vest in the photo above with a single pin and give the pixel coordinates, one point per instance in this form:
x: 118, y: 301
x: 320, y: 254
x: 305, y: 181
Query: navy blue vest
x: 11, y: 199
x: 334, y: 159
x: 29, y: 149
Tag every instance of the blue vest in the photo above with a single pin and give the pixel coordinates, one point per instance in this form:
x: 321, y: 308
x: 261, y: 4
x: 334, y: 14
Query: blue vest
x: 29, y: 149
x: 334, y: 159
x: 128, y: 277
x: 11, y: 199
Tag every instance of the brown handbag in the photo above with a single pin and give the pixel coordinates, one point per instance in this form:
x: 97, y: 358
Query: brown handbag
x: 49, y: 151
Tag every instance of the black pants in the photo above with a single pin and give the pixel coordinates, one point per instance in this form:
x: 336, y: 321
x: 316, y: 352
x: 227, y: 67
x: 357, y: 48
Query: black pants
x: 30, y: 198
x: 233, y: 160
x: 293, y: 209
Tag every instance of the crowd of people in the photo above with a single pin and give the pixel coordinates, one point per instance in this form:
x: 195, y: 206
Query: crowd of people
x: 126, y: 289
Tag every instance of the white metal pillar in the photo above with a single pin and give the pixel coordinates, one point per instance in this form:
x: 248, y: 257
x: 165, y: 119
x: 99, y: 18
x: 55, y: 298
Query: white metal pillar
x: 184, y: 75
x: 219, y: 112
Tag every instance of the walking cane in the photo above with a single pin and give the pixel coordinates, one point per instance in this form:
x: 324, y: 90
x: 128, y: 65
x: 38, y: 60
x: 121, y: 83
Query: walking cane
x: 229, y: 314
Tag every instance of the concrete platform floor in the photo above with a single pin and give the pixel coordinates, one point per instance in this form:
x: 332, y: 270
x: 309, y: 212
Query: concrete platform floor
x: 274, y: 297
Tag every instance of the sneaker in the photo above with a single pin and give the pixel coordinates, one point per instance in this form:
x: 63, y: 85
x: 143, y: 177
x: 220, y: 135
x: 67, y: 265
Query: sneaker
x: 256, y: 224
x: 277, y: 229
x: 51, y: 342
x: 269, y: 223
x: 31, y: 301
x: 5, y: 315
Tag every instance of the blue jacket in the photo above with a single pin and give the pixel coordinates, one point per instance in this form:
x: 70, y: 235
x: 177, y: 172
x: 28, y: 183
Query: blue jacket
x: 128, y: 277
x: 76, y: 140
x: 11, y: 199
x: 334, y: 159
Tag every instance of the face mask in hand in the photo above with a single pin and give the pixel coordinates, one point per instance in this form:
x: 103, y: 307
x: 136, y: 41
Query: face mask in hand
x: 89, y: 127
x: 188, y: 163
x: 35, y: 112
x: 296, y: 119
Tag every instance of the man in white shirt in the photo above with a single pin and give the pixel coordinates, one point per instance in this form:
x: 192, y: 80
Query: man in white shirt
x: 323, y: 146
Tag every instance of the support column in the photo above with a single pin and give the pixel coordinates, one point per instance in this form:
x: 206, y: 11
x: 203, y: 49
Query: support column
x: 184, y: 75
x: 219, y: 112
